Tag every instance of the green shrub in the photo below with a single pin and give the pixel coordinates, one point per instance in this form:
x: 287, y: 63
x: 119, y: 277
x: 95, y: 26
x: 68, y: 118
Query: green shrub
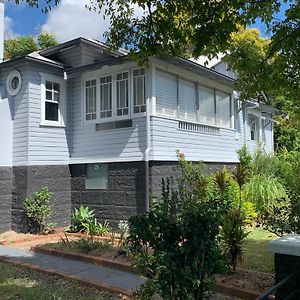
x: 170, y: 245
x: 233, y: 234
x: 39, y: 211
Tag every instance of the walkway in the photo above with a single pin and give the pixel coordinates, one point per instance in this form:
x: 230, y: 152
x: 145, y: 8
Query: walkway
x: 103, y: 277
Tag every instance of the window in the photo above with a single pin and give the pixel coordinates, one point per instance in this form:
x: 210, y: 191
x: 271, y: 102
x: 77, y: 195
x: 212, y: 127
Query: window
x: 96, y: 176
x: 52, y: 106
x: 253, y: 125
x: 14, y: 82
x: 166, y: 94
x: 223, y: 109
x: 106, y: 97
x: 206, y: 105
x: 187, y: 100
x: 122, y: 94
x: 139, y: 104
x: 90, y: 99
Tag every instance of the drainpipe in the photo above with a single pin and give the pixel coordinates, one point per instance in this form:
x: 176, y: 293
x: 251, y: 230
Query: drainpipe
x: 1, y: 30
x: 147, y: 151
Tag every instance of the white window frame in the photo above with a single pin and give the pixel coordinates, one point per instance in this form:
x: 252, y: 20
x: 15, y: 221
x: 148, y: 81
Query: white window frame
x: 132, y: 93
x: 257, y: 116
x: 61, y: 104
x: 96, y: 75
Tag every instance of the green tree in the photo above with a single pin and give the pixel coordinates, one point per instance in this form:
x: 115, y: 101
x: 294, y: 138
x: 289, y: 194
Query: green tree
x: 24, y: 45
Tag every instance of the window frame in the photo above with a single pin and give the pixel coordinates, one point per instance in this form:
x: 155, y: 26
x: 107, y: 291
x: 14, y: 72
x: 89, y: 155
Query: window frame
x: 96, y: 75
x: 132, y: 93
x: 61, y: 103
x: 86, y: 177
x: 257, y: 125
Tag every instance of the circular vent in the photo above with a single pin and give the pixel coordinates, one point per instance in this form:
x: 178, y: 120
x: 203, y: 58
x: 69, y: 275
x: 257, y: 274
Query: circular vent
x: 14, y: 82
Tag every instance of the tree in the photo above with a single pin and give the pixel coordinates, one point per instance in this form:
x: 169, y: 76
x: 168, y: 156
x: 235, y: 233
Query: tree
x: 21, y: 46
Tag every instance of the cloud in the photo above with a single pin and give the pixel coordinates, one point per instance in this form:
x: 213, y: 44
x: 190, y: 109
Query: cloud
x: 8, y: 29
x: 71, y: 19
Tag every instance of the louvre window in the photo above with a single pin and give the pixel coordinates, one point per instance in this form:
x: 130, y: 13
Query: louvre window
x: 223, y: 109
x: 207, y: 106
x: 187, y: 99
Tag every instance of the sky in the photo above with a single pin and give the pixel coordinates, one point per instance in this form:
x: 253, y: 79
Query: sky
x: 70, y: 19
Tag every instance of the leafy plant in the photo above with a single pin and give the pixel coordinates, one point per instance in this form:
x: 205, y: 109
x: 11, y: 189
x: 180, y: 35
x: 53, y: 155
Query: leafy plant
x: 232, y: 237
x: 81, y: 216
x: 38, y: 210
x: 103, y: 228
x: 169, y: 244
x: 124, y: 231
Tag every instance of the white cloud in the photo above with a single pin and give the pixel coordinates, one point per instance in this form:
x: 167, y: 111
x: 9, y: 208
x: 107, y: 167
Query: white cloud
x: 8, y: 29
x: 71, y: 19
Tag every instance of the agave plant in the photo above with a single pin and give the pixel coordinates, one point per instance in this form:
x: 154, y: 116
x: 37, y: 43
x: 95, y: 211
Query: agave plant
x: 82, y: 215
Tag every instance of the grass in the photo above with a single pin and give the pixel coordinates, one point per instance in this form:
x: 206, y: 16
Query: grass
x: 23, y: 284
x: 257, y: 257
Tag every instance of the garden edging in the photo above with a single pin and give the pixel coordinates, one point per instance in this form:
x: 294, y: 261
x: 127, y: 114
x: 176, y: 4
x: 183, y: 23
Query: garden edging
x: 86, y: 258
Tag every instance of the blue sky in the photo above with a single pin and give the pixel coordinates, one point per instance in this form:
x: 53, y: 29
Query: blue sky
x: 69, y: 20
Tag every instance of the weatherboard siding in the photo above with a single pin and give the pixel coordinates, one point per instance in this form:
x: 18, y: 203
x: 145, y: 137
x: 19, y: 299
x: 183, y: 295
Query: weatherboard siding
x: 125, y: 144
x: 46, y: 144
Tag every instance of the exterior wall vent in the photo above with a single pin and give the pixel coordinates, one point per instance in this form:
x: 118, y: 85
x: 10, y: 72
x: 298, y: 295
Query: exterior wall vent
x: 188, y: 126
x: 114, y: 125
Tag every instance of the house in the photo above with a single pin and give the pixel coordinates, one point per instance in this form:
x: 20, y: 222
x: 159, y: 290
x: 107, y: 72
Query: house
x: 101, y: 131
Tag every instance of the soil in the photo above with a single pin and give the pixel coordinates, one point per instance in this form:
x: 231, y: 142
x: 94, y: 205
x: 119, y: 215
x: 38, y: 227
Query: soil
x: 12, y: 236
x: 249, y: 280
x: 112, y: 254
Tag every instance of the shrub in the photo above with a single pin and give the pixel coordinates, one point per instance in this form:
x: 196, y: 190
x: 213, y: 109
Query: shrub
x: 38, y: 210
x: 233, y: 234
x: 170, y: 244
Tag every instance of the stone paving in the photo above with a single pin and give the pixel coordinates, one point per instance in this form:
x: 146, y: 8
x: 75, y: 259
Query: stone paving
x: 88, y: 272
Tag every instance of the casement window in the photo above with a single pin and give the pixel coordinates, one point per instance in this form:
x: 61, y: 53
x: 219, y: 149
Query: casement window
x: 96, y: 176
x: 253, y: 127
x: 223, y: 109
x: 207, y: 109
x: 166, y: 94
x: 114, y: 96
x: 187, y: 100
x: 122, y: 83
x: 139, y: 100
x: 106, y: 97
x: 53, y: 102
x: 90, y: 99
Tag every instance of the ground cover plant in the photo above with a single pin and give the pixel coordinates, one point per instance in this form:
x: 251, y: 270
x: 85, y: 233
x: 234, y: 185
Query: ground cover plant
x: 17, y: 283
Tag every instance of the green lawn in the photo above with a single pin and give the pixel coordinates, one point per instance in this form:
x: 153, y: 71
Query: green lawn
x: 22, y: 284
x: 257, y: 257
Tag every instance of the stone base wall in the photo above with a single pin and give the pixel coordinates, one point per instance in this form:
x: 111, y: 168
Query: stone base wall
x: 124, y: 197
x: 6, y: 178
x: 170, y: 169
x: 286, y: 265
x: 29, y: 179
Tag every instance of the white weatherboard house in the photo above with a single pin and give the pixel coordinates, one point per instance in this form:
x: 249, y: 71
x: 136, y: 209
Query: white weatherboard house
x: 101, y: 131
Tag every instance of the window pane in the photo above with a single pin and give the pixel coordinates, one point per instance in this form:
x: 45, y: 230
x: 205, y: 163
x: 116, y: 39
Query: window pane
x: 206, y: 105
x: 49, y: 95
x: 56, y: 96
x: 106, y: 97
x: 187, y: 100
x: 90, y: 100
x: 56, y: 87
x: 48, y: 85
x: 166, y: 94
x: 223, y: 109
x: 96, y: 177
x: 51, y: 111
x: 122, y: 94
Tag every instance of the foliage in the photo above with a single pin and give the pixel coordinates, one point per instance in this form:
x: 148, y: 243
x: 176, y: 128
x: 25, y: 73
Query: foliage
x: 169, y: 244
x: 233, y: 235
x: 124, y: 231
x: 93, y: 227
x: 88, y: 245
x: 21, y: 46
x: 38, y: 210
x: 81, y: 216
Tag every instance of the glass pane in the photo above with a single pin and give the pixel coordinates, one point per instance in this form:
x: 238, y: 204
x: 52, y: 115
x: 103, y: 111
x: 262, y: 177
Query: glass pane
x: 96, y: 177
x: 187, y: 100
x: 122, y: 94
x: 206, y: 105
x: 51, y: 111
x: 49, y: 95
x: 48, y: 85
x: 223, y: 109
x: 56, y: 96
x: 56, y: 87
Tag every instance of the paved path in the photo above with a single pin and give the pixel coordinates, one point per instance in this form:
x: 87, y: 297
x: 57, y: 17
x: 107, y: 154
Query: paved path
x: 67, y: 267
